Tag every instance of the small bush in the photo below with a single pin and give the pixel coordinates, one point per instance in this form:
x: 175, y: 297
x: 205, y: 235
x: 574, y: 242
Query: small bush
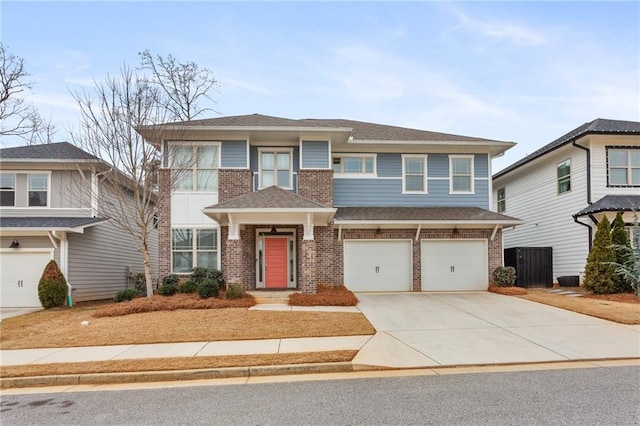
x: 167, y: 290
x: 208, y: 288
x: 504, y: 276
x: 52, y: 287
x: 188, y: 287
x: 235, y: 291
x: 124, y: 295
x: 140, y: 284
x: 199, y: 275
x: 172, y: 279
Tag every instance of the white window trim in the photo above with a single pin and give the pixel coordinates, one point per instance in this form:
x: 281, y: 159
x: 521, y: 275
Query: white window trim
x: 30, y: 172
x: 194, y: 168
x: 194, y: 249
x: 361, y: 175
x: 563, y: 177
x: 422, y: 157
x: 503, y: 199
x: 15, y: 189
x: 629, y: 168
x: 472, y: 176
x: 275, y: 150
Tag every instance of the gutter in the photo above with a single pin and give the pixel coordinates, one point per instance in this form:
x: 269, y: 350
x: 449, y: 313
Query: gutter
x: 589, y: 202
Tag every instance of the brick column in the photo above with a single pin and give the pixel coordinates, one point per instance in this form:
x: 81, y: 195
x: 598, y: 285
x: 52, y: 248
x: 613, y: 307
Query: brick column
x: 164, y: 222
x: 308, y: 283
x: 233, y: 271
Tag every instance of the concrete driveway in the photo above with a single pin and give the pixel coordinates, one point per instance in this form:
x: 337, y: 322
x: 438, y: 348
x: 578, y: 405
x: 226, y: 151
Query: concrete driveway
x: 432, y: 329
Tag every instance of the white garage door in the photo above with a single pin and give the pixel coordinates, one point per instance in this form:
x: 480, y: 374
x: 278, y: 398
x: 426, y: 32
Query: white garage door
x: 19, y: 278
x: 377, y: 265
x: 454, y: 265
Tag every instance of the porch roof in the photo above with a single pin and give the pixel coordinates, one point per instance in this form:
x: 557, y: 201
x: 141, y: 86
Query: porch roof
x: 67, y: 224
x: 611, y: 203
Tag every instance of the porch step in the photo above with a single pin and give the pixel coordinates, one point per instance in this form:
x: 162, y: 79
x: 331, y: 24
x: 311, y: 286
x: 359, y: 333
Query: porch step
x: 271, y: 297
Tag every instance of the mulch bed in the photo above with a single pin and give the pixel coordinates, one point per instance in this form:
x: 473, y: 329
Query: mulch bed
x: 508, y: 291
x: 616, y: 297
x: 326, y: 296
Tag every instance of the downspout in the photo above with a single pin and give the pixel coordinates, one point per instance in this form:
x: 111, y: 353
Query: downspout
x: 64, y: 262
x: 575, y: 219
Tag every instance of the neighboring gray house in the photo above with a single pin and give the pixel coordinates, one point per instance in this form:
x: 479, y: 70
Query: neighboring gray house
x: 278, y: 203
x: 50, y: 209
x: 562, y: 190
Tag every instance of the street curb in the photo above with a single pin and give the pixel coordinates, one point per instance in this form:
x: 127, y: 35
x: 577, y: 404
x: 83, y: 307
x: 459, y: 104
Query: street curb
x: 175, y: 375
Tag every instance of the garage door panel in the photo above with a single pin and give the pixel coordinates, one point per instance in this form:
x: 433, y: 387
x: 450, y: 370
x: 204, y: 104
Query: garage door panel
x: 19, y: 276
x: 454, y: 265
x: 378, y: 265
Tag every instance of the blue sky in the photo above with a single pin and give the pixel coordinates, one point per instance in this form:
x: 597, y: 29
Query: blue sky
x: 526, y: 72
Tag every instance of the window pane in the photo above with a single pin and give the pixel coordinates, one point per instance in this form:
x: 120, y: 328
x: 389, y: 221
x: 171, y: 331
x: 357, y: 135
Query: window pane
x: 501, y: 194
x: 182, y: 239
x: 7, y: 198
x: 461, y: 183
x: 564, y: 168
x: 207, y: 259
x: 207, y: 180
x: 462, y: 166
x: 368, y: 165
x: 7, y: 181
x: 182, y: 157
x: 267, y: 161
x: 413, y: 165
x: 352, y: 164
x: 635, y: 176
x: 414, y: 183
x: 283, y: 178
x: 336, y: 165
x: 564, y: 185
x: 618, y: 176
x: 207, y: 239
x: 635, y: 157
x: 283, y: 161
x: 183, y: 180
x: 182, y: 261
x: 207, y: 157
x: 37, y: 182
x: 618, y: 157
x: 37, y: 198
x: 267, y: 178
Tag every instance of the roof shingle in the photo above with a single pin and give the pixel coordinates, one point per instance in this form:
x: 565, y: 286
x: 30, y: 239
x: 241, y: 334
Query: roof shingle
x: 48, y: 222
x: 272, y: 197
x: 451, y: 214
x: 612, y: 203
x: 50, y: 151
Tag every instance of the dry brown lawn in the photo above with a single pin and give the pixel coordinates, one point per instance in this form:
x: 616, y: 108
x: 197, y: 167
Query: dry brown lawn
x: 597, y: 306
x: 167, y: 364
x: 325, y: 296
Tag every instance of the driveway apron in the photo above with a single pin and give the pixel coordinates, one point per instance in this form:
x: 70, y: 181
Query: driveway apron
x: 445, y: 329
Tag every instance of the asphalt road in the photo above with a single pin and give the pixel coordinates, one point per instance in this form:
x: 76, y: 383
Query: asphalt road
x: 597, y: 396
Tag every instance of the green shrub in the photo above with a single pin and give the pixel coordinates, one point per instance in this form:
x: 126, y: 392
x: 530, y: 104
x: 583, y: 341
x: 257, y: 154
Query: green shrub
x: 188, y: 287
x: 235, y: 291
x: 172, y: 279
x: 208, y: 288
x: 622, y: 249
x: 52, y: 287
x: 124, y: 295
x: 504, y: 276
x: 140, y: 284
x: 599, y: 270
x: 167, y: 290
x: 199, y: 275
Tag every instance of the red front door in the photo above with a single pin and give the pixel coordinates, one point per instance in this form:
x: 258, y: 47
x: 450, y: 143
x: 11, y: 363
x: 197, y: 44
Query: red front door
x: 275, y: 262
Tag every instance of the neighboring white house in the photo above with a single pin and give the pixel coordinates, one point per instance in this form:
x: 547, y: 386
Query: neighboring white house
x: 562, y: 190
x: 50, y: 209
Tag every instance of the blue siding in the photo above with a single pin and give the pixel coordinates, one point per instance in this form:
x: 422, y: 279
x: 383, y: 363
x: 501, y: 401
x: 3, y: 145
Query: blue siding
x: 438, y: 165
x: 253, y: 156
x: 389, y: 165
x: 481, y: 166
x: 388, y: 193
x: 315, y: 154
x: 234, y: 154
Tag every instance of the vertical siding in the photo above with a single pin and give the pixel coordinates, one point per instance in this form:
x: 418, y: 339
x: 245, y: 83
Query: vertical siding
x: 70, y: 190
x: 315, y: 155
x: 532, y: 196
x: 98, y: 260
x: 234, y: 154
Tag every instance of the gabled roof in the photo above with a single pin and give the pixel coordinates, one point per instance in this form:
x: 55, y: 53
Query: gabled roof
x: 599, y: 126
x: 359, y: 130
x: 421, y: 214
x: 50, y: 151
x: 72, y: 224
x: 272, y: 197
x: 612, y: 203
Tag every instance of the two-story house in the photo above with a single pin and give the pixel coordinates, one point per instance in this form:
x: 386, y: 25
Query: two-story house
x: 562, y: 190
x: 50, y: 208
x: 279, y: 203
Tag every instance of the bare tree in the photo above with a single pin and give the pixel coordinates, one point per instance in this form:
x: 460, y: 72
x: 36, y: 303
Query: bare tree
x: 17, y: 117
x: 38, y: 130
x: 183, y: 84
x: 107, y: 129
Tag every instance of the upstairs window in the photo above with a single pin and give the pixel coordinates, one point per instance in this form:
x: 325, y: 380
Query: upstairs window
x: 564, y: 176
x: 461, y: 170
x: 276, y: 168
x: 195, y: 168
x: 624, y: 166
x: 502, y: 200
x: 354, y: 164
x: 38, y: 190
x: 7, y: 190
x: 414, y: 174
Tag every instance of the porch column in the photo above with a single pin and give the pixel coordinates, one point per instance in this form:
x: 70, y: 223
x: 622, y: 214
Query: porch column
x: 233, y: 271
x: 308, y: 281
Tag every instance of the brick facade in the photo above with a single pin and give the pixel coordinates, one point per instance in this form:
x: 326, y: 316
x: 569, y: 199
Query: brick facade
x: 308, y: 265
x: 164, y: 222
x: 316, y: 185
x: 233, y: 183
